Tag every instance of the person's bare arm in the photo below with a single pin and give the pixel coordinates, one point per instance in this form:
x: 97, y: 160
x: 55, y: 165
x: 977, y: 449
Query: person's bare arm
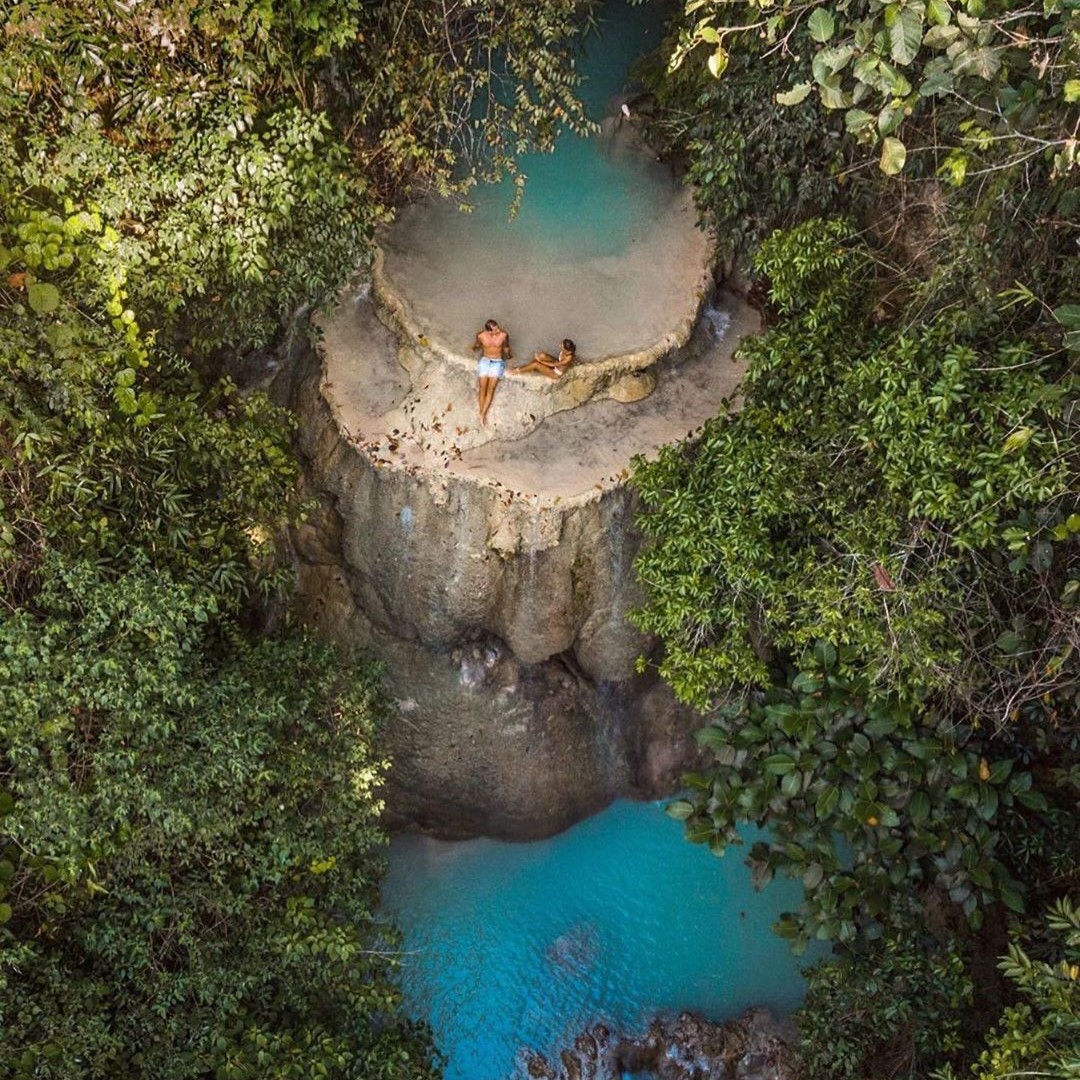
x: 477, y: 344
x: 506, y: 353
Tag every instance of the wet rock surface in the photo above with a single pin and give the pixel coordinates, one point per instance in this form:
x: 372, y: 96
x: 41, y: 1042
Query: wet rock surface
x: 754, y: 1046
x: 504, y: 636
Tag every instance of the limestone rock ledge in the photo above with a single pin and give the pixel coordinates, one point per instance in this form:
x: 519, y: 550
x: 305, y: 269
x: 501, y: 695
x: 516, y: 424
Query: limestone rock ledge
x: 502, y: 624
x: 754, y: 1046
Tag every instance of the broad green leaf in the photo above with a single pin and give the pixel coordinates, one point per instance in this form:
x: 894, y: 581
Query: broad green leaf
x: 825, y: 651
x: 699, y: 832
x: 806, y: 683
x: 940, y: 37
x: 893, y: 156
x: 779, y: 764
x: 889, y: 119
x: 830, y: 60
x: 866, y: 70
x: 680, y: 809
x: 126, y: 399
x: 937, y: 77
x: 1072, y: 91
x: 893, y: 82
x: 826, y: 802
x: 923, y: 749
x: 939, y: 12
x: 821, y: 24
x: 718, y: 62
x: 905, y: 33
x: 879, y: 726
x: 977, y: 60
x: 1068, y: 315
x: 43, y: 297
x: 988, y: 803
x: 833, y: 96
x: 798, y: 93
x: 919, y: 807
x: 1033, y: 800
x: 858, y: 122
x: 713, y: 737
x: 1011, y: 897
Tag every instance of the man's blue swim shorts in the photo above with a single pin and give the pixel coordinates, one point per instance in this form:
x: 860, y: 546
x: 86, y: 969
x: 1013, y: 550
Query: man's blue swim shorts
x: 490, y: 369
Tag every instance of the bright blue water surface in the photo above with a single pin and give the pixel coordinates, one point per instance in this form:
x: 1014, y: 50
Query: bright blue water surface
x: 509, y: 946
x: 592, y: 195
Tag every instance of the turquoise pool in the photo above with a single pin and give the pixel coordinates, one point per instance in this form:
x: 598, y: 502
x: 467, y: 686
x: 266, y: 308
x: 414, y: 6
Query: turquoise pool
x: 592, y: 196
x: 514, y: 946
x: 604, y: 250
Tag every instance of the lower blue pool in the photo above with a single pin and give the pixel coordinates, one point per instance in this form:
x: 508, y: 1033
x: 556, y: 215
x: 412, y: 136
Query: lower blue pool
x: 511, y: 947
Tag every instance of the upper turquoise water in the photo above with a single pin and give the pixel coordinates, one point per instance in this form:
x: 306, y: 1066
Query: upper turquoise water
x: 591, y: 196
x: 515, y: 946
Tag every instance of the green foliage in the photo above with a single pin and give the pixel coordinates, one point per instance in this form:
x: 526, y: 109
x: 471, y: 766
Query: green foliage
x: 1042, y: 1033
x: 189, y: 847
x: 893, y: 1008
x: 897, y: 497
x: 1001, y: 72
x: 754, y: 165
x: 874, y: 473
x: 113, y: 446
x: 866, y: 797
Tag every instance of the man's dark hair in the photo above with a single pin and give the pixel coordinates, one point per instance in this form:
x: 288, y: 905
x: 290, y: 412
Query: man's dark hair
x: 568, y: 345
x: 491, y: 324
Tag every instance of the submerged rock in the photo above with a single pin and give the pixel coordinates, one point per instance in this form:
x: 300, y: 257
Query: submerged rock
x: 755, y: 1046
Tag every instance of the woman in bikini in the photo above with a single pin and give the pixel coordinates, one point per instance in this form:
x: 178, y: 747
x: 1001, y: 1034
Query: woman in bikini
x: 551, y: 366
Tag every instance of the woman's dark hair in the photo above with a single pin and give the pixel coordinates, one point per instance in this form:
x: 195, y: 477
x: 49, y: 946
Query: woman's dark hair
x: 568, y: 345
x: 491, y: 324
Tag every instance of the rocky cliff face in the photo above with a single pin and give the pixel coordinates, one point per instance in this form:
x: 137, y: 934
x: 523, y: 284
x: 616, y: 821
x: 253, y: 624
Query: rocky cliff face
x: 490, y: 568
x: 503, y: 628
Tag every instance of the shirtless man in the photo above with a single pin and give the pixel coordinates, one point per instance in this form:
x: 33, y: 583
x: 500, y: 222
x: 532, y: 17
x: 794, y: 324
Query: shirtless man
x: 494, y: 345
x: 551, y: 366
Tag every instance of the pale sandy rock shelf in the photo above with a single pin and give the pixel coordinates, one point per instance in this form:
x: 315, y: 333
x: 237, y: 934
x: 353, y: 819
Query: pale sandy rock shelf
x: 398, y: 401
